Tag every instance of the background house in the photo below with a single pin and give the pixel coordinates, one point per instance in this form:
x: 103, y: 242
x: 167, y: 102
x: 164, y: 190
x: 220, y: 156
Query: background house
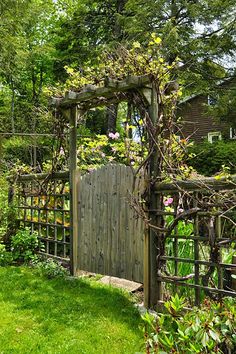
x: 197, y: 123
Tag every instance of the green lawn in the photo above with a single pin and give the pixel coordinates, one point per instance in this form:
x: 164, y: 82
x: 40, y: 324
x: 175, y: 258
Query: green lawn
x: 38, y: 315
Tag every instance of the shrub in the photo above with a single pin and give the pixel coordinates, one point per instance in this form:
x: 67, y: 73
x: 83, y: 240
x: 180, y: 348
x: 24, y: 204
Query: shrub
x: 18, y: 150
x: 5, y: 257
x: 208, y: 159
x: 209, y: 329
x: 50, y: 268
x: 24, y: 245
x: 7, y: 212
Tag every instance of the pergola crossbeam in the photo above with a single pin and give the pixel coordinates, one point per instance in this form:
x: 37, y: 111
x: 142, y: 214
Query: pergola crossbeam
x: 92, y: 96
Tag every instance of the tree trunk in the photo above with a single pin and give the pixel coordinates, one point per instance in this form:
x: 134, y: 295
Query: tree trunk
x: 40, y: 81
x: 12, y: 107
x: 112, y: 118
x: 33, y: 79
x: 118, y: 34
x: 118, y: 31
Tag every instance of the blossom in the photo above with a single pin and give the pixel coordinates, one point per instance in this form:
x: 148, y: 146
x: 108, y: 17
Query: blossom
x: 168, y: 201
x: 114, y: 136
x: 61, y: 152
x: 180, y: 210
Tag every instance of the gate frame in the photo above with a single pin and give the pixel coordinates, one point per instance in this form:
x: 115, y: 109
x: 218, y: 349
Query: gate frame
x: 72, y: 106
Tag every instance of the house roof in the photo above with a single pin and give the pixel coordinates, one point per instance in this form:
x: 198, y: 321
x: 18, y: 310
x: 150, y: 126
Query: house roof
x: 219, y: 83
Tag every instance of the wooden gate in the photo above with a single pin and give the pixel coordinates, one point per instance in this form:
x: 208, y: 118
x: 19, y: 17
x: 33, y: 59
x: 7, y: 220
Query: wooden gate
x: 110, y: 239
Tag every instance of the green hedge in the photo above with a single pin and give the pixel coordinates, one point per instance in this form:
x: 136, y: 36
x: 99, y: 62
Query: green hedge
x: 208, y: 159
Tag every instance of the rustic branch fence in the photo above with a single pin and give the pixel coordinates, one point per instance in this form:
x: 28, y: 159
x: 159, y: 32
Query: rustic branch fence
x: 199, y: 241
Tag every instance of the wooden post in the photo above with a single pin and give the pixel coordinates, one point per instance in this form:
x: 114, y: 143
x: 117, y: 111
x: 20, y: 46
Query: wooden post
x: 152, y: 287
x: 74, y: 185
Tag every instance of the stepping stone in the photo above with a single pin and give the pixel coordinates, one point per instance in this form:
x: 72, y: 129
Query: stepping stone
x: 129, y: 285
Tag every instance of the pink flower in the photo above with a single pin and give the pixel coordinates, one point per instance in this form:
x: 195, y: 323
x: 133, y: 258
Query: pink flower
x: 61, y: 152
x: 168, y: 201
x: 114, y: 136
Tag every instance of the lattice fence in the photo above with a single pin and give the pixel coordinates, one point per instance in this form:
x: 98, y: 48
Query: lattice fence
x: 43, y: 204
x: 197, y: 251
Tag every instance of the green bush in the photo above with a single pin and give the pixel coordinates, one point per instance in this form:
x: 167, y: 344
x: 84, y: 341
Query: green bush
x: 5, y: 257
x: 20, y: 150
x: 7, y: 212
x: 24, y: 245
x: 50, y: 268
x: 208, y: 159
x: 208, y: 329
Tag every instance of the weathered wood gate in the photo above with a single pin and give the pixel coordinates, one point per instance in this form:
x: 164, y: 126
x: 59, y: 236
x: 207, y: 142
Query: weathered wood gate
x: 110, y: 234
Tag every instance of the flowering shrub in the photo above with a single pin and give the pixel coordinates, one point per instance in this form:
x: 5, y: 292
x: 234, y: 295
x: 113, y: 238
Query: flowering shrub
x: 209, y: 329
x: 50, y: 268
x: 114, y: 136
x: 101, y: 150
x: 168, y: 201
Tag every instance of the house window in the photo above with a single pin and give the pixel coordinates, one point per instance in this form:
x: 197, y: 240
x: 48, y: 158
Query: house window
x: 214, y: 136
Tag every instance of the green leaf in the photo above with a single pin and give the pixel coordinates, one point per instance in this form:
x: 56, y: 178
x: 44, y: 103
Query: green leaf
x: 214, y: 335
x: 205, y: 339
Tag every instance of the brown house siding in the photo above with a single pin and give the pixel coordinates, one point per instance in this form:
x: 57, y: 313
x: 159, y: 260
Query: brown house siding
x: 195, y: 123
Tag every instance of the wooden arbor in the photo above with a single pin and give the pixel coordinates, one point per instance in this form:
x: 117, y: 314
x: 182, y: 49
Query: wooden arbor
x: 73, y: 105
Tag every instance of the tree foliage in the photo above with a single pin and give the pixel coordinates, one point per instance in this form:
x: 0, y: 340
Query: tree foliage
x: 45, y: 44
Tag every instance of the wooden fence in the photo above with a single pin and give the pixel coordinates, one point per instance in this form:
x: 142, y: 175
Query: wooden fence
x: 110, y: 233
x: 43, y: 203
x: 94, y: 226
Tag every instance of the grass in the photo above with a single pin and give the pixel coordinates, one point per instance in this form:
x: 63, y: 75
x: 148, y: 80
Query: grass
x: 38, y: 315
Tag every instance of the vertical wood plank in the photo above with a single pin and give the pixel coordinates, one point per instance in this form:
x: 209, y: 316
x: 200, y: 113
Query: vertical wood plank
x: 122, y: 233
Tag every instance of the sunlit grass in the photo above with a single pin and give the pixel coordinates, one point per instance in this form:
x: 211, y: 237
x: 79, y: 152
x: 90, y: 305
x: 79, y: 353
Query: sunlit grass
x: 64, y: 316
